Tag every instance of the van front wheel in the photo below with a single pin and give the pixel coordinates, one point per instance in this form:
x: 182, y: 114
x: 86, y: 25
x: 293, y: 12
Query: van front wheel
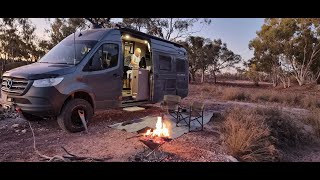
x: 69, y: 119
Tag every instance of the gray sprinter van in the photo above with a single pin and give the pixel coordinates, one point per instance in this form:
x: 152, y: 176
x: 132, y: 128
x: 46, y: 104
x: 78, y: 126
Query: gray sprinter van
x: 90, y: 70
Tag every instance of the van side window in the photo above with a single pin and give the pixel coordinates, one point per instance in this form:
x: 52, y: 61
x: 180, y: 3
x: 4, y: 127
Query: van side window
x: 180, y: 66
x: 165, y: 63
x: 105, y: 57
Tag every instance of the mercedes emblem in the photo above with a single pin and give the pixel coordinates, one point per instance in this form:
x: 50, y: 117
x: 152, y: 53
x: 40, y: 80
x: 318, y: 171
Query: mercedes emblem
x: 9, y: 83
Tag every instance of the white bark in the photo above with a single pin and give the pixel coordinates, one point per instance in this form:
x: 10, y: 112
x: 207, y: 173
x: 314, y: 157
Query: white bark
x: 301, y: 73
x: 202, y: 77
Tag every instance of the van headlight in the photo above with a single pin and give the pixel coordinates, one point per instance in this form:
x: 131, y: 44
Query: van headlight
x: 47, y: 82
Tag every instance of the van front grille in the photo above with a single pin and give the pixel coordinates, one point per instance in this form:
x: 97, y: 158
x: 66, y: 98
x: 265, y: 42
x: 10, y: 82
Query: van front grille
x: 14, y: 85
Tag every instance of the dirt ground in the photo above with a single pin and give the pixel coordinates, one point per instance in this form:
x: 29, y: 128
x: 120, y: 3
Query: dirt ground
x: 16, y: 140
x: 102, y: 142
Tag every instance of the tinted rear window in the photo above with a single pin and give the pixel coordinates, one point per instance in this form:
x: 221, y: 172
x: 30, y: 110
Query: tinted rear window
x: 180, y: 65
x: 165, y: 63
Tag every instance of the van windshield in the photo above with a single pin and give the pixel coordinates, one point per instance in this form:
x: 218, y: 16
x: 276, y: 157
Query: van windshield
x: 64, y: 52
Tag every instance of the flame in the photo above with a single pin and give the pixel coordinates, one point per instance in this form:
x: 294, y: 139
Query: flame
x: 148, y: 132
x: 160, y: 131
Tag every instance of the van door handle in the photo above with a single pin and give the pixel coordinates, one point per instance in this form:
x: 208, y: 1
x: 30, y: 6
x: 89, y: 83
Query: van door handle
x: 116, y: 75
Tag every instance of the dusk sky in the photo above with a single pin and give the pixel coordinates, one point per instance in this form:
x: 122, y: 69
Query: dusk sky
x: 236, y: 32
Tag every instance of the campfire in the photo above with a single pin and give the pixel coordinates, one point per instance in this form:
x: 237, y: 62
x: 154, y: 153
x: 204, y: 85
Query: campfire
x: 155, y: 137
x: 160, y: 131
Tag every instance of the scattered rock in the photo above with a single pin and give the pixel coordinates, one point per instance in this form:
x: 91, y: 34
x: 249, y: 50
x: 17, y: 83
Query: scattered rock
x: 15, y: 126
x: 17, y: 130
x: 232, y: 159
x: 24, y: 131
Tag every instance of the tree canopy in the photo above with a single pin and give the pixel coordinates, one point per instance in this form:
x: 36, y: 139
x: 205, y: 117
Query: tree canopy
x: 288, y: 46
x: 206, y: 54
x: 17, y: 39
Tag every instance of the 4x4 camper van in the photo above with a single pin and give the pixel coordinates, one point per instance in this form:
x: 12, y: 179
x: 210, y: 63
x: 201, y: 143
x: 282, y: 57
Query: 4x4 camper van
x: 90, y: 70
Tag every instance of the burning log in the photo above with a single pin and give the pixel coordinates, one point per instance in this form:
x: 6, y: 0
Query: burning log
x: 154, y: 138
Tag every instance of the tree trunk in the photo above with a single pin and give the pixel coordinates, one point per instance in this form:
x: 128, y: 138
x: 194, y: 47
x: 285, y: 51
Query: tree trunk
x: 274, y: 81
x: 318, y: 78
x: 289, y: 82
x: 275, y: 75
x: 193, y: 75
x: 215, y: 77
x: 300, y: 81
x: 202, y: 76
x: 300, y: 78
x: 283, y: 80
x: 284, y: 84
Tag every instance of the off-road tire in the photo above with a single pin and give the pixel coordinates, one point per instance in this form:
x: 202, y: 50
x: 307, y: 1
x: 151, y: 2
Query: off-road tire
x: 67, y: 123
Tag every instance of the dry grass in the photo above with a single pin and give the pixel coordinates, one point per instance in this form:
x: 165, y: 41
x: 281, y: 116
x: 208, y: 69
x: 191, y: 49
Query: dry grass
x: 247, y: 136
x: 293, y: 99
x: 314, y: 120
x: 262, y: 134
x: 235, y: 94
x: 262, y: 96
x: 310, y: 102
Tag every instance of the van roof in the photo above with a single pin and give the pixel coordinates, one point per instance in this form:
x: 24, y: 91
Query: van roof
x: 98, y: 33
x: 90, y: 34
x: 127, y: 30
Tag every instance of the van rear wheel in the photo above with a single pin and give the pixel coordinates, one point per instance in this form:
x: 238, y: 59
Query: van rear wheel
x: 69, y: 119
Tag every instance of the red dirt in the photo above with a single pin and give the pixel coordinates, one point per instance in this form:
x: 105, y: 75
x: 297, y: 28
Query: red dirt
x: 103, y: 141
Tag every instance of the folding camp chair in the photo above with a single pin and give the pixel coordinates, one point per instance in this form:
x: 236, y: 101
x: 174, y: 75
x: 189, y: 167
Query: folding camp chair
x: 195, y: 113
x: 171, y: 105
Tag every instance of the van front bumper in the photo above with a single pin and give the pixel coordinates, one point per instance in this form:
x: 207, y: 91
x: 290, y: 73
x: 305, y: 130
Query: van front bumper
x: 42, y: 102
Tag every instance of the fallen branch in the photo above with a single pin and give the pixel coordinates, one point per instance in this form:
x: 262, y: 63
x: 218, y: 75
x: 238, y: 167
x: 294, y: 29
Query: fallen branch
x: 36, y: 150
x: 74, y: 157
x: 65, y: 158
x: 67, y: 151
x: 164, y: 158
x: 135, y: 136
